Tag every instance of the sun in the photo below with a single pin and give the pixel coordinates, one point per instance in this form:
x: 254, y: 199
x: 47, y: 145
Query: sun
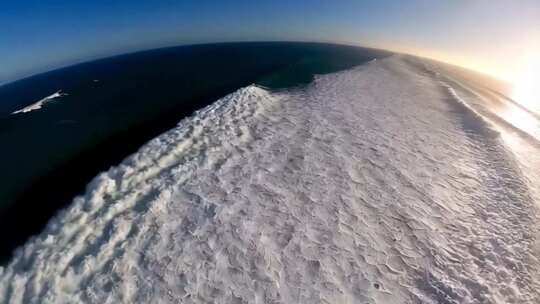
x: 526, y: 86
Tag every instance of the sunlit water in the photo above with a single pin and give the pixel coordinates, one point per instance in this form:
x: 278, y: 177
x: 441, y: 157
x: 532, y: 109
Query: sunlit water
x: 526, y: 87
x: 516, y: 120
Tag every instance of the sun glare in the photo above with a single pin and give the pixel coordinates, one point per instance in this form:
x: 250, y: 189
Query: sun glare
x: 526, y: 86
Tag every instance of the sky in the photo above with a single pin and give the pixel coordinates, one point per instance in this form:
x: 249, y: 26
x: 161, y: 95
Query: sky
x: 498, y: 37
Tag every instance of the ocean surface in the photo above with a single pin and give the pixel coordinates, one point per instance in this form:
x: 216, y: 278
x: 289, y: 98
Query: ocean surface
x: 395, y: 180
x: 60, y: 129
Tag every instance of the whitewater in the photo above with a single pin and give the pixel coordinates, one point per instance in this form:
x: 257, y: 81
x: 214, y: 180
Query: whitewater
x: 41, y: 103
x: 376, y: 184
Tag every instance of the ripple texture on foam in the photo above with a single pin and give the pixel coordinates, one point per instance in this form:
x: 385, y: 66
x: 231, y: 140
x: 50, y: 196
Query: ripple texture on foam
x: 372, y: 185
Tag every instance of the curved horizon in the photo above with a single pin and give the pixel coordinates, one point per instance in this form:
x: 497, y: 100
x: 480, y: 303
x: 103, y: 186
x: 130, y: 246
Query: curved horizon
x: 113, y: 55
x: 498, y: 38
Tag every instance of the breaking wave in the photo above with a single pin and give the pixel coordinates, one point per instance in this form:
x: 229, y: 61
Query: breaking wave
x: 39, y: 104
x: 367, y: 186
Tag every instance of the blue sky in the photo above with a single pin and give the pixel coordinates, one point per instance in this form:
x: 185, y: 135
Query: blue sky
x: 39, y: 35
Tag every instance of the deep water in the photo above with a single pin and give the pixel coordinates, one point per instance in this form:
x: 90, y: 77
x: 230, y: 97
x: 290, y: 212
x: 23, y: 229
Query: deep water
x: 115, y: 105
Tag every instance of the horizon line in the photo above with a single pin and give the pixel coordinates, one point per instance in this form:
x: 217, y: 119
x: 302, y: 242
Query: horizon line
x: 166, y: 46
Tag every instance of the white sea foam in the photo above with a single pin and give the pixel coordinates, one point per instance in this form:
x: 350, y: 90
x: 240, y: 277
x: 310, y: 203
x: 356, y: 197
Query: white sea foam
x: 38, y: 105
x: 367, y: 186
